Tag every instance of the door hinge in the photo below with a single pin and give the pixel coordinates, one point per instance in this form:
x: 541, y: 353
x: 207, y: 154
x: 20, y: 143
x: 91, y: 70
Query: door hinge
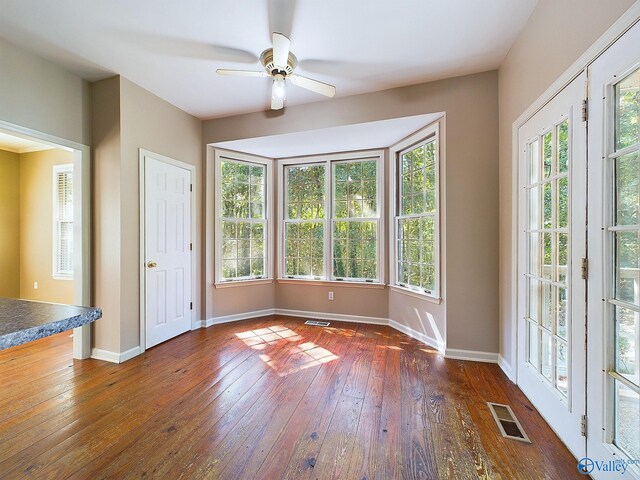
x: 191, y: 187
x: 584, y: 268
x: 191, y: 246
x: 583, y: 425
x: 585, y: 110
x: 190, y: 305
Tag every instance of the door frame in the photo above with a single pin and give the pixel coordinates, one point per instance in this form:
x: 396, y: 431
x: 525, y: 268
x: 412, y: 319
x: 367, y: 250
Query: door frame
x: 142, y: 154
x: 624, y: 23
x: 81, y: 226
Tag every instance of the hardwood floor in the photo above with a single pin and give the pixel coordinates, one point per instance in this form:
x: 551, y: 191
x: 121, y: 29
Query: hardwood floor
x: 267, y: 398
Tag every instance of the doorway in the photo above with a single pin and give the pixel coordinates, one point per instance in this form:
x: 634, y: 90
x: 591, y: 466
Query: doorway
x: 167, y: 244
x: 50, y: 182
x: 551, y: 327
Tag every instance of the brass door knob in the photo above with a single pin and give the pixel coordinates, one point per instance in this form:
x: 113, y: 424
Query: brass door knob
x: 152, y: 265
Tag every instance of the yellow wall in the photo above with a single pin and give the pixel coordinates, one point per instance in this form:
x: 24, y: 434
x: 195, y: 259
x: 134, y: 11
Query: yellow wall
x: 36, y: 227
x: 9, y: 224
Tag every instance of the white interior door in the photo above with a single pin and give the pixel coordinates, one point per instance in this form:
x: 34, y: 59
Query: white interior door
x: 614, y: 245
x: 167, y: 258
x: 552, y: 243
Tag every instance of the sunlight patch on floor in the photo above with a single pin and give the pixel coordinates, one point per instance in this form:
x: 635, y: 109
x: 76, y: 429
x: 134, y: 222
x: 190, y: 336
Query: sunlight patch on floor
x: 299, y: 357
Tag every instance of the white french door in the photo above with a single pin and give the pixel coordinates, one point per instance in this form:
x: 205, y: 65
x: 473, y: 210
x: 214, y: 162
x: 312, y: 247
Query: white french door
x: 167, y: 250
x: 552, y: 243
x: 614, y: 246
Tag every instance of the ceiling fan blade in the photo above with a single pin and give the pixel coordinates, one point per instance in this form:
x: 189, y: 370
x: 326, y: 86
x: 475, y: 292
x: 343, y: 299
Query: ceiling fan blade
x: 313, y: 85
x: 241, y: 73
x: 281, y: 45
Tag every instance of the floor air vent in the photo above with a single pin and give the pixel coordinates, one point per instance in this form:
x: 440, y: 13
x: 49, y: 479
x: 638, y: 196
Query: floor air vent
x: 316, y: 323
x: 507, y: 422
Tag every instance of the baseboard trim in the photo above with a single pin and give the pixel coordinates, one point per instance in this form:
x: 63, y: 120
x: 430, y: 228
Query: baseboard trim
x: 337, y: 317
x: 236, y: 317
x: 471, y: 355
x: 115, y: 357
x: 421, y: 337
x: 506, y: 368
x: 451, y: 353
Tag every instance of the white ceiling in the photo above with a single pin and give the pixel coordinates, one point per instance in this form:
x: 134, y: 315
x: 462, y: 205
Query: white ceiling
x: 15, y: 144
x: 172, y: 48
x: 348, y: 138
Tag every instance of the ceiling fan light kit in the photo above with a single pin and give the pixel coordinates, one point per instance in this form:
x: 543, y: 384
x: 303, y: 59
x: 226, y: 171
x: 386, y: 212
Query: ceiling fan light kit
x: 279, y: 63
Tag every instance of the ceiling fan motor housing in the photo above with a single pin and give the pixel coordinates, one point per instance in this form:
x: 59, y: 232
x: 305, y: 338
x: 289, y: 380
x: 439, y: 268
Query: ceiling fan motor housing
x: 266, y: 58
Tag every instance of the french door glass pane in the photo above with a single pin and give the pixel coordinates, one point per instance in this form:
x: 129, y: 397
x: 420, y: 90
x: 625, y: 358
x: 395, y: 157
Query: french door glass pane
x: 547, y: 355
x: 627, y: 101
x: 534, y: 344
x: 561, y: 312
x: 627, y: 330
x: 627, y: 425
x: 562, y: 133
x: 627, y: 189
x: 627, y: 262
x: 547, y: 306
x: 562, y: 353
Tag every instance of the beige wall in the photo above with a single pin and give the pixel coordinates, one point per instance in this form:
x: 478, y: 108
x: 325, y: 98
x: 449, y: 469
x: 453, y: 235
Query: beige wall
x: 105, y: 96
x: 42, y: 96
x: 36, y: 227
x: 127, y: 118
x: 9, y: 224
x: 557, y: 33
x: 471, y: 196
x: 153, y: 124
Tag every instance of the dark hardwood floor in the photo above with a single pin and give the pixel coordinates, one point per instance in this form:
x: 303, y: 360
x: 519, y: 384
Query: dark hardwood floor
x: 268, y: 398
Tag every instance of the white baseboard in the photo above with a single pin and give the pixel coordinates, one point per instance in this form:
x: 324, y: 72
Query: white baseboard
x: 506, y: 368
x: 421, y: 337
x: 237, y: 317
x: 115, y: 357
x: 471, y: 355
x: 337, y: 317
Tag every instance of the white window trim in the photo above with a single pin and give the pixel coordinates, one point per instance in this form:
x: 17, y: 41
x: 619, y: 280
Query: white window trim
x: 328, y: 160
x: 416, y: 138
x: 219, y: 156
x: 57, y: 170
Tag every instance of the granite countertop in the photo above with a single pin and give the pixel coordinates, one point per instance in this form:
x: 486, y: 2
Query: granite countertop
x: 23, y: 321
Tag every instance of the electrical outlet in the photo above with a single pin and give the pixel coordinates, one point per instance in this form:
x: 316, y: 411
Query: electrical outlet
x: 35, y: 285
x: 330, y: 295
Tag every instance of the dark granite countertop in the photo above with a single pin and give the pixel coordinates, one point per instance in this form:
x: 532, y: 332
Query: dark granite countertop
x: 23, y: 321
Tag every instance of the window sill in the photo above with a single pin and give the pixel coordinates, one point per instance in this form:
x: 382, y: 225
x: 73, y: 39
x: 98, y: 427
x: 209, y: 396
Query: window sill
x: 413, y: 293
x: 335, y: 283
x: 63, y: 277
x: 243, y: 283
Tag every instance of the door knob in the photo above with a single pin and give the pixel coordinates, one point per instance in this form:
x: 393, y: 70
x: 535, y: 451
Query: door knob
x: 152, y: 265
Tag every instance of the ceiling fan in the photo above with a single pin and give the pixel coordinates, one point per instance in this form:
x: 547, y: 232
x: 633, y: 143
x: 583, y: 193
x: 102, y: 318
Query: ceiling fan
x: 279, y: 62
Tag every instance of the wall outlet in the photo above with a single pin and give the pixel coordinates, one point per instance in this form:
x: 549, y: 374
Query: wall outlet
x: 35, y: 285
x: 330, y: 295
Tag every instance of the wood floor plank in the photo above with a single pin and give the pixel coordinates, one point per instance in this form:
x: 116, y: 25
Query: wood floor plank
x: 266, y: 398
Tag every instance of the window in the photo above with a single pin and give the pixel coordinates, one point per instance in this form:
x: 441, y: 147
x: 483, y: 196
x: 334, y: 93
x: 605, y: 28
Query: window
x: 242, y: 207
x: 331, y: 218
x: 63, y: 221
x: 417, y: 217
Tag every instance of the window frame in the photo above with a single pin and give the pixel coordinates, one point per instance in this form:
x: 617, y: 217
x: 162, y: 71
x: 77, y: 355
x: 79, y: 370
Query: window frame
x: 57, y: 274
x: 329, y: 160
x: 243, y: 158
x: 422, y: 136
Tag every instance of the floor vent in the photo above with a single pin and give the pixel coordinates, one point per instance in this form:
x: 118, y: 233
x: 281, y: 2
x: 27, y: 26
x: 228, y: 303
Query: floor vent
x: 507, y: 422
x: 316, y: 323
